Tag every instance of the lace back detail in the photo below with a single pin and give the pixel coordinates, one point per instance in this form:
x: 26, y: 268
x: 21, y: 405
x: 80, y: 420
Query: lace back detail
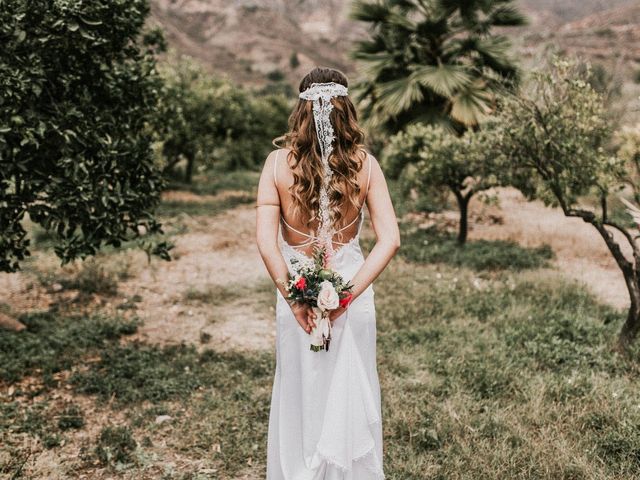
x: 313, y: 238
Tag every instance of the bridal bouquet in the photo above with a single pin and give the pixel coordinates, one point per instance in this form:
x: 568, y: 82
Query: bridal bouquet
x: 323, y: 290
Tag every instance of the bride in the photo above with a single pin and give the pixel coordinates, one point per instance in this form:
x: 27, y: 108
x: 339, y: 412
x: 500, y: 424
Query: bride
x: 325, y: 420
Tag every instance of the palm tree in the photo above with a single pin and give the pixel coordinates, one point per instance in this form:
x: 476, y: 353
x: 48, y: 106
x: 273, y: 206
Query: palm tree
x: 433, y: 61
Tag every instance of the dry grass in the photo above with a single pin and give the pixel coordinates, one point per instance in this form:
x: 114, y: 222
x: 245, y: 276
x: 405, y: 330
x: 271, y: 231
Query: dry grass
x: 581, y: 254
x: 485, y: 375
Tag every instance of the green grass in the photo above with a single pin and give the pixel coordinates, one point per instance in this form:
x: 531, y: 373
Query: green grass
x: 174, y: 208
x: 218, y: 401
x: 424, y: 246
x: 137, y: 372
x: 507, y: 375
x: 116, y: 445
x: 225, y: 397
x: 93, y: 278
x: 52, y: 343
x: 509, y: 378
x: 214, y: 294
x: 214, y: 182
x: 492, y: 377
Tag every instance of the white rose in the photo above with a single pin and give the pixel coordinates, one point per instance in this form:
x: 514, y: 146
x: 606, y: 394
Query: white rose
x: 328, y: 298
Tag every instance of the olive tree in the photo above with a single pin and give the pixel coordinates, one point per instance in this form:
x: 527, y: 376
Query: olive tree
x: 555, y: 138
x: 432, y: 158
x: 628, y: 140
x: 77, y: 87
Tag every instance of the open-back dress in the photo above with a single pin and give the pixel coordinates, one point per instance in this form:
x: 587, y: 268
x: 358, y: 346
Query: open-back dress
x: 325, y: 419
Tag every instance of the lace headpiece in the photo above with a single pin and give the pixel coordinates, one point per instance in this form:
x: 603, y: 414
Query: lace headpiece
x: 321, y: 94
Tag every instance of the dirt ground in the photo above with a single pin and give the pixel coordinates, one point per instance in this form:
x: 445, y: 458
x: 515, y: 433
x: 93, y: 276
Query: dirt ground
x: 216, y: 249
x: 218, y: 254
x: 581, y: 254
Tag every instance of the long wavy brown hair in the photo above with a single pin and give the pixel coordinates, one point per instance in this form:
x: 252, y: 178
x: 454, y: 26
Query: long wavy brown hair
x: 346, y: 159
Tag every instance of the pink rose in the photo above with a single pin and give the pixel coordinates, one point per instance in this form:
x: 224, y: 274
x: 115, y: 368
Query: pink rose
x: 328, y: 298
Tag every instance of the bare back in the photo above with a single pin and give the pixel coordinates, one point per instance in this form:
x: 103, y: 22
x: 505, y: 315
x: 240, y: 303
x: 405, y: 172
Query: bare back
x: 294, y: 231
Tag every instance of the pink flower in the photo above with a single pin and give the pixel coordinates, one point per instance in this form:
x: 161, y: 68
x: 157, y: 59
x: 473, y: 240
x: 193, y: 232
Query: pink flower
x: 346, y: 300
x: 328, y: 297
x: 301, y: 283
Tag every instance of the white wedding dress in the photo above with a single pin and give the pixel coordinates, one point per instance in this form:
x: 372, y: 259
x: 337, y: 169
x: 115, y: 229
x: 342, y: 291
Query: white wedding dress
x: 325, y: 421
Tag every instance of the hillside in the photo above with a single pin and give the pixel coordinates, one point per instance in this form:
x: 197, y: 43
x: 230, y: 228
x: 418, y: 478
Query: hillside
x: 247, y: 40
x: 553, y: 12
x: 610, y: 37
x: 253, y: 40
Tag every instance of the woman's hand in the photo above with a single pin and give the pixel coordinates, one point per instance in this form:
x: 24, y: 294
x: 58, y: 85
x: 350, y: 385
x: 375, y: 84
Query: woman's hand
x: 304, y: 315
x: 334, y: 314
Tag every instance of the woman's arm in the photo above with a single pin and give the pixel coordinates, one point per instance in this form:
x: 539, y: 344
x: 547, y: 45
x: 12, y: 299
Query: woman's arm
x: 267, y: 224
x: 385, y: 226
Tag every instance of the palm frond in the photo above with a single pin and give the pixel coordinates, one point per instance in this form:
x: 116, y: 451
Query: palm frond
x: 375, y: 64
x: 396, y: 96
x: 443, y: 79
x: 471, y: 105
x: 400, y: 19
x: 433, y: 116
x: 374, y: 44
x: 494, y: 52
x: 507, y: 16
x: 370, y: 11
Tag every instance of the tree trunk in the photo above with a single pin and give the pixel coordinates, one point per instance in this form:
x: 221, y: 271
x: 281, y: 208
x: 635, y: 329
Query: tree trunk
x: 631, y: 326
x: 188, y: 172
x: 628, y: 268
x: 463, y: 206
x: 169, y: 168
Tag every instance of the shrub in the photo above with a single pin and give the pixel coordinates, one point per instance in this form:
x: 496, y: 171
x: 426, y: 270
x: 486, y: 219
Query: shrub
x: 78, y: 89
x: 71, y: 418
x: 115, y: 445
x: 430, y: 247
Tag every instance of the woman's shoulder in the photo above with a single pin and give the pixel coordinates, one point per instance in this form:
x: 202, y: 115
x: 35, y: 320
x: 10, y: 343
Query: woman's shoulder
x: 368, y: 159
x: 365, y: 154
x: 277, y: 154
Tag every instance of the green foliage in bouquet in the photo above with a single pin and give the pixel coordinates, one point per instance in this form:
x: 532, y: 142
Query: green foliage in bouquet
x: 77, y: 87
x: 305, y: 288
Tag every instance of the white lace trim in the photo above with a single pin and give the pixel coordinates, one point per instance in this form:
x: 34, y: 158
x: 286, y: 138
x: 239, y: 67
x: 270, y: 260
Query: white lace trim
x: 321, y: 94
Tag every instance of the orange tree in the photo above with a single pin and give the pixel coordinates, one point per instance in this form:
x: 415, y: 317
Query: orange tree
x: 77, y: 87
x: 207, y: 121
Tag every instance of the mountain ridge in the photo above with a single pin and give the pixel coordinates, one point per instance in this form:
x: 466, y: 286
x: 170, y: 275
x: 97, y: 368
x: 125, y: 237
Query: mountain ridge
x: 251, y: 41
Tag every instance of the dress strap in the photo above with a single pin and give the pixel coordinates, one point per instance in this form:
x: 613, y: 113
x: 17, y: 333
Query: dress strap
x: 350, y: 223
x: 275, y: 168
x: 361, y: 221
x: 295, y: 230
x: 366, y: 190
